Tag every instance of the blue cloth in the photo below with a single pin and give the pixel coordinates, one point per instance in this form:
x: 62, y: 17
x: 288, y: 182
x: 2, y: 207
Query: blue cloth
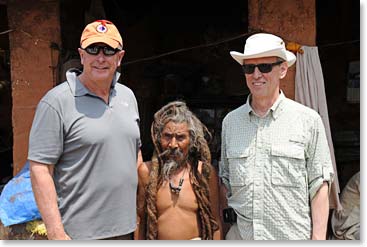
x: 17, y: 203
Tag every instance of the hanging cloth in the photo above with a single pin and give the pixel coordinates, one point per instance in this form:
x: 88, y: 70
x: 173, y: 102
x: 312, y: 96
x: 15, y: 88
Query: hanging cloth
x: 310, y: 91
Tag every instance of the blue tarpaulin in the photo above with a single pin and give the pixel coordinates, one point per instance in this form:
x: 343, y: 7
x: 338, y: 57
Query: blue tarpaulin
x: 17, y: 203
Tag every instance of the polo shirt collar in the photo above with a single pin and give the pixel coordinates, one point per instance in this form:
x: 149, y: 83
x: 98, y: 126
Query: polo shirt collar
x: 77, y: 88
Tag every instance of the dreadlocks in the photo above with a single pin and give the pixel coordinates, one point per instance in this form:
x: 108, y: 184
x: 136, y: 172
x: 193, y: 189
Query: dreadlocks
x: 178, y: 112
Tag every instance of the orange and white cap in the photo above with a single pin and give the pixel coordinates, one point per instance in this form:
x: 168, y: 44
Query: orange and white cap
x: 101, y: 31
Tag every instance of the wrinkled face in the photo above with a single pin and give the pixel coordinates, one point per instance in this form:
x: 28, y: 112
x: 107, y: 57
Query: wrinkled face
x: 265, y: 85
x: 175, y: 137
x: 100, y: 68
x: 175, y: 140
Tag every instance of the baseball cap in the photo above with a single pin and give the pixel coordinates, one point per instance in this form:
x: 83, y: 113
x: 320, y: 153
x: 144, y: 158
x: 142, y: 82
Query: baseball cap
x: 103, y: 31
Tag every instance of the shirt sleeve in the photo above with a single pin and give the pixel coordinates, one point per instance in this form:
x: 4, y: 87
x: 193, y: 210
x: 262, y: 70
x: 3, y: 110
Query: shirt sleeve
x: 46, y: 137
x: 319, y: 165
x: 139, y: 143
x: 223, y: 163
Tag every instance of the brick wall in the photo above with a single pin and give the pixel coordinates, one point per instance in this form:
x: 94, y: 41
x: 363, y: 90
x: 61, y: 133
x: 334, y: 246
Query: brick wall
x: 35, y: 26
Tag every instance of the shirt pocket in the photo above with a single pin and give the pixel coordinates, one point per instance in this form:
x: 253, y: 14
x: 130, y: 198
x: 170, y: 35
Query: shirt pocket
x: 238, y: 167
x: 286, y: 164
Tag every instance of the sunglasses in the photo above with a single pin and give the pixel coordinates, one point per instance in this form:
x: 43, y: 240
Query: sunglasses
x: 107, y: 50
x: 263, y: 67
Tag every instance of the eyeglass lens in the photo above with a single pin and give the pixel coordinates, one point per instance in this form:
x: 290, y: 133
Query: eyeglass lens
x: 263, y: 67
x: 107, y: 50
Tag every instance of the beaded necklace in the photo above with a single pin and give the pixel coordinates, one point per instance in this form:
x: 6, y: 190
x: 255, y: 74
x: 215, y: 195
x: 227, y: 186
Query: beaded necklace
x: 177, y: 189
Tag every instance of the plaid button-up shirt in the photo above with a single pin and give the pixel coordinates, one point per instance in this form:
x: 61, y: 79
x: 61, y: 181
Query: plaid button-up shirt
x: 273, y: 167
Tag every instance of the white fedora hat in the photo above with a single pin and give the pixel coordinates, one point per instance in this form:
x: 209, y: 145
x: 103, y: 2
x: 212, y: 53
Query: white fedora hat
x: 264, y: 45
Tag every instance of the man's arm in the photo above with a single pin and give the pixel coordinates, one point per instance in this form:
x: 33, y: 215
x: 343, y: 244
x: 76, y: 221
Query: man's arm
x: 214, y: 202
x: 320, y: 213
x: 46, y: 199
x: 223, y: 205
x: 224, y: 188
x: 143, y: 179
x: 139, y: 160
x: 223, y: 163
x: 320, y: 175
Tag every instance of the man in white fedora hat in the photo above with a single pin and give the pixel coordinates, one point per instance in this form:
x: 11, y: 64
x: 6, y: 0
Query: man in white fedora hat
x: 275, y: 161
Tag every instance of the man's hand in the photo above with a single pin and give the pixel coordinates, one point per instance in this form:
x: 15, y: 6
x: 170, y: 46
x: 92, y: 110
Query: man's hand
x: 58, y: 236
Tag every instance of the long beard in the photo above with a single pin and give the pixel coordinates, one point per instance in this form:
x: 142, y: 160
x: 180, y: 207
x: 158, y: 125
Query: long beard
x: 172, y: 165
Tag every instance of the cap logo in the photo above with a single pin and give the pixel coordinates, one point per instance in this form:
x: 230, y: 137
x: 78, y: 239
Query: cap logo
x: 101, y: 28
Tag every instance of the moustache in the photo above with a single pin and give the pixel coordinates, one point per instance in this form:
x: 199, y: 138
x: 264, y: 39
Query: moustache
x: 174, y: 152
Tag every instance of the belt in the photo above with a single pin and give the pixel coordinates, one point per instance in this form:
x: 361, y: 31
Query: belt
x: 128, y: 236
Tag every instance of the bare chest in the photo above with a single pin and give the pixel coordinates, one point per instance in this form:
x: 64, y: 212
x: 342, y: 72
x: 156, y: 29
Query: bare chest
x: 185, y: 200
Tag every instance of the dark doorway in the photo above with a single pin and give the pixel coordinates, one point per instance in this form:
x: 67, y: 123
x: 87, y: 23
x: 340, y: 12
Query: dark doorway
x: 6, y: 131
x: 338, y: 39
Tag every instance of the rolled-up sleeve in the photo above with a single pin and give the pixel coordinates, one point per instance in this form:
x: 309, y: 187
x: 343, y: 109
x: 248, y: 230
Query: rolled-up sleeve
x: 319, y: 165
